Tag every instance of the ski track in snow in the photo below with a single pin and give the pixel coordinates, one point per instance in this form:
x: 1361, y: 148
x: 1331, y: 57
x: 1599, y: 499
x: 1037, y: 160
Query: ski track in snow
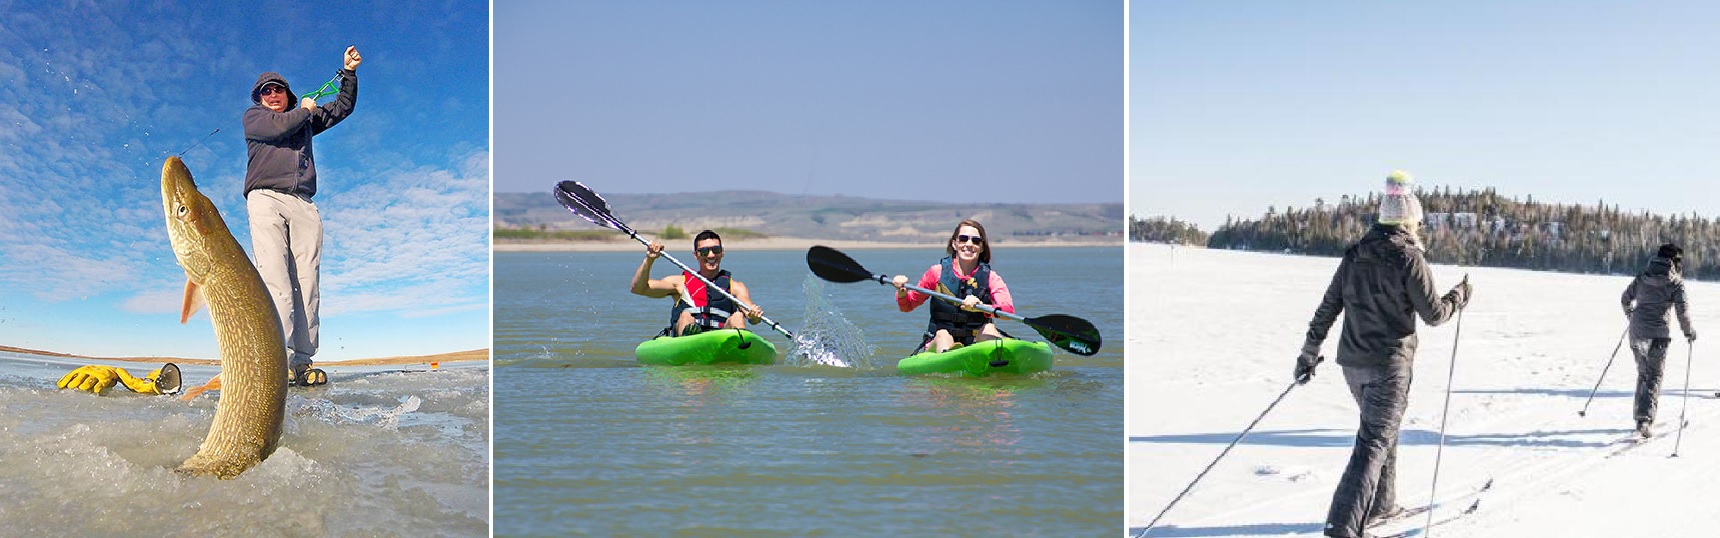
x: 1212, y: 339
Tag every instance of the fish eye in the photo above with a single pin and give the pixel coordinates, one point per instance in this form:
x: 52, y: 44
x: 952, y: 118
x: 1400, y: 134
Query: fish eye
x: 181, y: 210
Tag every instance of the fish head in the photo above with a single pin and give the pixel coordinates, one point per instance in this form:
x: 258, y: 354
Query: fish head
x: 193, y: 223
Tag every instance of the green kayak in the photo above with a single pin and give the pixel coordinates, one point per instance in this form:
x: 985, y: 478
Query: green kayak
x: 1023, y: 357
x: 710, y: 347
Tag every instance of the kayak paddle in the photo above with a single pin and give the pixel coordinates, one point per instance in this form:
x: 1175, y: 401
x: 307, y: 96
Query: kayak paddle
x: 582, y: 201
x: 1071, y: 333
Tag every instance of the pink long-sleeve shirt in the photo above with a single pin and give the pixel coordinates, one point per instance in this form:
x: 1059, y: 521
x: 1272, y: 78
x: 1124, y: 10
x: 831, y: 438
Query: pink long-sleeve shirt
x: 999, y: 292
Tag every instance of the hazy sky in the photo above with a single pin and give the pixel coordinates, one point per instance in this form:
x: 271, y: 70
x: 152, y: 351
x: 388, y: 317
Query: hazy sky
x: 981, y: 100
x: 1236, y: 106
x: 95, y: 96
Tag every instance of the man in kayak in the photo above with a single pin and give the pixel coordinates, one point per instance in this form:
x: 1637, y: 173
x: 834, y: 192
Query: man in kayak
x: 1380, y: 287
x: 1654, y: 293
x: 966, y: 273
x: 696, y: 305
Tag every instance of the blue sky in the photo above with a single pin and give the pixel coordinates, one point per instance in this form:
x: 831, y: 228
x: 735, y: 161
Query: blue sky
x: 980, y: 100
x: 1236, y: 106
x: 95, y: 96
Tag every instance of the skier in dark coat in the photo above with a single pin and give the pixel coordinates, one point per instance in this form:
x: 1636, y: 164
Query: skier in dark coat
x: 1381, y: 286
x: 1658, y: 288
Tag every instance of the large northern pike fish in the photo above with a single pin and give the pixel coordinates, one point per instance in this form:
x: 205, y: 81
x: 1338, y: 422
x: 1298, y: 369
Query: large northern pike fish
x: 253, y: 353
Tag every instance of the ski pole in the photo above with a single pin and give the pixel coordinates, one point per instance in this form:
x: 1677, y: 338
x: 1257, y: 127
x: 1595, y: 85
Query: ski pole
x: 1226, y: 450
x: 1585, y: 411
x: 1686, y: 406
x: 1443, y: 415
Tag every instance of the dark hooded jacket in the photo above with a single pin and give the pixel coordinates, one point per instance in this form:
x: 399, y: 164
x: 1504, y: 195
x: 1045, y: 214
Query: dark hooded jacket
x: 1656, y: 289
x: 278, y: 144
x: 1380, y: 286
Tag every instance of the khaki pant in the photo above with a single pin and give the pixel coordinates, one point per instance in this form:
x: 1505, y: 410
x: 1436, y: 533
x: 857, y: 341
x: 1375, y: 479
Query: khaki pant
x: 286, y: 239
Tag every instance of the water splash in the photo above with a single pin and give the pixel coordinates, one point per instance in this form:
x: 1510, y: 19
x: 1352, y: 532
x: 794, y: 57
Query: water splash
x: 386, y: 417
x: 826, y: 337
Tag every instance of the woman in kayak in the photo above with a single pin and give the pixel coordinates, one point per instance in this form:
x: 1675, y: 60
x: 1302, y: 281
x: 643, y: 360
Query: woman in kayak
x: 966, y: 273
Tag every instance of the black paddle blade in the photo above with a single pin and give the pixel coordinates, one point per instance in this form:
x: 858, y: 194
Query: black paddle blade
x: 831, y: 264
x: 1071, y: 333
x: 584, y: 202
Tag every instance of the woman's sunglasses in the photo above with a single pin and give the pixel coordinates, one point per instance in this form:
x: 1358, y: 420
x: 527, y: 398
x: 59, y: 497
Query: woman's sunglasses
x: 974, y: 239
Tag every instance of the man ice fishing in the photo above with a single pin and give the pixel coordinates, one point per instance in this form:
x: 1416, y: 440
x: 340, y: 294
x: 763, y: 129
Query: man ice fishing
x: 1381, y: 285
x: 1656, y: 290
x: 286, y: 227
x: 696, y: 306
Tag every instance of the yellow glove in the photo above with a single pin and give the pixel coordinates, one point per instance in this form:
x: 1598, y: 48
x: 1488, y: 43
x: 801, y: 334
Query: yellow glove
x: 97, y: 379
x: 140, y: 386
x: 93, y: 378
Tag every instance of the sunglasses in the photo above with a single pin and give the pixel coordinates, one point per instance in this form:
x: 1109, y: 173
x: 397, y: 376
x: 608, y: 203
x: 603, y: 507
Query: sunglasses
x: 271, y: 90
x: 707, y: 251
x: 974, y: 239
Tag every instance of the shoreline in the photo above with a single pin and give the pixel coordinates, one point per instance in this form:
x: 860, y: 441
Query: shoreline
x: 456, y: 356
x: 622, y: 244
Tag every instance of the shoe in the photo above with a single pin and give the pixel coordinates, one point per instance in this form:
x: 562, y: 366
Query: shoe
x: 1642, y: 428
x: 1387, y: 514
x: 302, y: 375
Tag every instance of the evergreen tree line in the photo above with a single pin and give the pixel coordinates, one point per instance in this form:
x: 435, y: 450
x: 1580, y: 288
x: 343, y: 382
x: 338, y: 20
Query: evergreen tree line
x: 1485, y: 229
x: 1165, y: 230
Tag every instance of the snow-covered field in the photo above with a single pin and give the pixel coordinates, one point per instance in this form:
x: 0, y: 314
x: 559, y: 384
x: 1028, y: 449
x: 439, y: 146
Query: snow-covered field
x: 1212, y: 339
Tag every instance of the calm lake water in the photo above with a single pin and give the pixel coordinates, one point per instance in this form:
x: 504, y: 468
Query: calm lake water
x: 589, y: 443
x: 379, y: 451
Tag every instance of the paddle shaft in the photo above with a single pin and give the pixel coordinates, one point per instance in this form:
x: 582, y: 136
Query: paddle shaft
x: 600, y: 215
x: 708, y: 284
x: 952, y: 299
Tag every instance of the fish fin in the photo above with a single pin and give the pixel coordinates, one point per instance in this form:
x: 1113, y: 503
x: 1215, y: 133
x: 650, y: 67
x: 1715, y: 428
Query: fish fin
x: 193, y: 301
x: 213, y: 384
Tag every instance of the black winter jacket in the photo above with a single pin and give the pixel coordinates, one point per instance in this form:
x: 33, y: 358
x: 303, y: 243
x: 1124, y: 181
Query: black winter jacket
x: 278, y: 144
x: 1654, y: 291
x: 1380, y: 286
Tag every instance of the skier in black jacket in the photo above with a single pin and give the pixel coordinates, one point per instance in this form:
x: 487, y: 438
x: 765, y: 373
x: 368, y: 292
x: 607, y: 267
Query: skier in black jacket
x: 1381, y: 285
x: 1657, y: 289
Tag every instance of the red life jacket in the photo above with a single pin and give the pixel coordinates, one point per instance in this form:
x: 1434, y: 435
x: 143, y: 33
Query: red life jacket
x: 711, y: 309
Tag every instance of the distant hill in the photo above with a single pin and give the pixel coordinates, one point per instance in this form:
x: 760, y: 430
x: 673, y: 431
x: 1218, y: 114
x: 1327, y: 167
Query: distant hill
x: 824, y: 217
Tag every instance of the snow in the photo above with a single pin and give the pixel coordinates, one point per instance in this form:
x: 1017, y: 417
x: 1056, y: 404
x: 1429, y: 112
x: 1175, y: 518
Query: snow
x: 1212, y: 339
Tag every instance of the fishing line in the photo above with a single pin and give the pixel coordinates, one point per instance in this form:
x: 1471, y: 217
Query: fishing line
x: 200, y: 142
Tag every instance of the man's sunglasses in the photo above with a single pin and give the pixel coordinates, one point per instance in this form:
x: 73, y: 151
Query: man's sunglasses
x: 272, y: 89
x: 974, y: 239
x: 707, y: 251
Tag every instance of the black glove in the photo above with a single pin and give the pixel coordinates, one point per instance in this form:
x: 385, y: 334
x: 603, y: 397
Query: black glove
x: 1459, y: 294
x: 1306, y: 362
x: 1628, y: 310
x: 1690, y: 335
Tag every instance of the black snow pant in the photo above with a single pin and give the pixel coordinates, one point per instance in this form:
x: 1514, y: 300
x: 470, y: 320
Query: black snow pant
x: 1650, y: 364
x: 1368, y: 485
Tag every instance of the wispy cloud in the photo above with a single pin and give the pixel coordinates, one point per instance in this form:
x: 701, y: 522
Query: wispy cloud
x: 410, y: 238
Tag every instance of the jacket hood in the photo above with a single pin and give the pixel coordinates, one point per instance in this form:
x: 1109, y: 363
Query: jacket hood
x: 1385, y: 243
x: 267, y: 77
x: 1661, y: 271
